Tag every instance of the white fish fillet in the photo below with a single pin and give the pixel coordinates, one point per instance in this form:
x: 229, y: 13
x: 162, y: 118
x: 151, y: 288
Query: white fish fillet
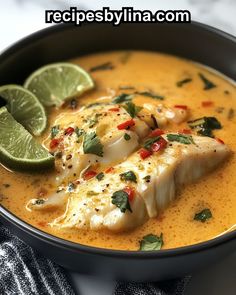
x: 116, y: 148
x: 90, y: 206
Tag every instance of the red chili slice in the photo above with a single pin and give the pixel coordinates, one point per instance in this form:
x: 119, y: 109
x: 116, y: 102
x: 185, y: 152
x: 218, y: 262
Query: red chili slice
x: 114, y: 109
x: 109, y: 170
x: 145, y: 153
x: 126, y: 124
x: 130, y: 191
x: 156, y: 132
x: 159, y: 145
x: 207, y: 103
x: 69, y: 130
x: 185, y: 131
x: 181, y: 106
x: 89, y: 174
x: 55, y: 142
x: 219, y: 140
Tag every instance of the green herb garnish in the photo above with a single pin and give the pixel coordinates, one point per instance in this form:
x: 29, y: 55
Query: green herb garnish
x: 121, y: 200
x: 92, y: 144
x: 100, y: 176
x: 132, y: 109
x: 92, y: 122
x: 205, y: 125
x: 207, y: 83
x: 54, y: 131
x: 182, y: 82
x: 106, y: 66
x: 151, y: 243
x: 150, y: 94
x: 185, y: 139
x: 122, y: 98
x: 79, y: 132
x: 149, y: 142
x: 128, y: 176
x: 203, y: 216
x: 127, y: 136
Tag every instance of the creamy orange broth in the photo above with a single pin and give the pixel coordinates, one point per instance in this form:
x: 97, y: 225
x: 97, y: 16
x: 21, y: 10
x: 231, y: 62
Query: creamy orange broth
x: 217, y: 191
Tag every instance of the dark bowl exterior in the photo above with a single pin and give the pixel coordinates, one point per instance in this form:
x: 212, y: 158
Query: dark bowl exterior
x: 193, y: 41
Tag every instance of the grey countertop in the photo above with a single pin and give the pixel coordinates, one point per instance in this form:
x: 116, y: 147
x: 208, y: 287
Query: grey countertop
x: 26, y: 16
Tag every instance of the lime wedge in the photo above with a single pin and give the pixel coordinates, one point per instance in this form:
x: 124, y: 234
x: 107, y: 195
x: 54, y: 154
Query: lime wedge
x: 25, y: 108
x: 54, y: 83
x: 18, y: 149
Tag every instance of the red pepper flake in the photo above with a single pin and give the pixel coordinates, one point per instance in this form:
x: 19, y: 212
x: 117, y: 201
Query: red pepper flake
x: 89, y: 174
x: 156, y: 132
x: 55, y: 142
x: 114, y: 109
x: 185, y: 131
x: 69, y: 130
x: 144, y: 153
x: 207, y: 103
x: 159, y: 145
x: 126, y: 124
x: 181, y: 106
x: 219, y: 140
x: 77, y: 181
x: 130, y: 191
x: 110, y: 170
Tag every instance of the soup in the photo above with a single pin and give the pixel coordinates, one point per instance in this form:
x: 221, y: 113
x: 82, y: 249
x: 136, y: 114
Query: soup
x: 146, y: 108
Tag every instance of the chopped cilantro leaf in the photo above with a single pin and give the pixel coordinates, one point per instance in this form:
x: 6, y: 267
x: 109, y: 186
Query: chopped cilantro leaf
x: 92, y: 144
x: 150, y: 94
x: 182, y: 82
x: 121, y: 200
x: 149, y: 142
x: 207, y: 83
x: 128, y: 176
x: 151, y: 243
x: 122, y: 98
x: 132, y: 109
x: 205, y: 125
x: 54, y: 131
x: 127, y: 136
x: 79, y: 132
x: 203, y: 215
x: 185, y: 139
x: 100, y: 176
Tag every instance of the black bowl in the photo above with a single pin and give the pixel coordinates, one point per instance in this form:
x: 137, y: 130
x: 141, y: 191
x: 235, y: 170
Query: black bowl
x: 193, y: 41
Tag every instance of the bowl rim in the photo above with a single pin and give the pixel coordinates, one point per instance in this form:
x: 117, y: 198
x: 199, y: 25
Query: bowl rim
x: 60, y: 242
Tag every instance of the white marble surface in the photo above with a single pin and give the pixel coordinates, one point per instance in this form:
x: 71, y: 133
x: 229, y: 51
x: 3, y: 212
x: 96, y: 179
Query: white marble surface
x: 19, y: 18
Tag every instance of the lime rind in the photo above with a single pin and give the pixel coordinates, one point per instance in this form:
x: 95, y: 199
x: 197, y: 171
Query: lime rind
x: 54, y: 83
x: 18, y: 148
x: 25, y: 108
